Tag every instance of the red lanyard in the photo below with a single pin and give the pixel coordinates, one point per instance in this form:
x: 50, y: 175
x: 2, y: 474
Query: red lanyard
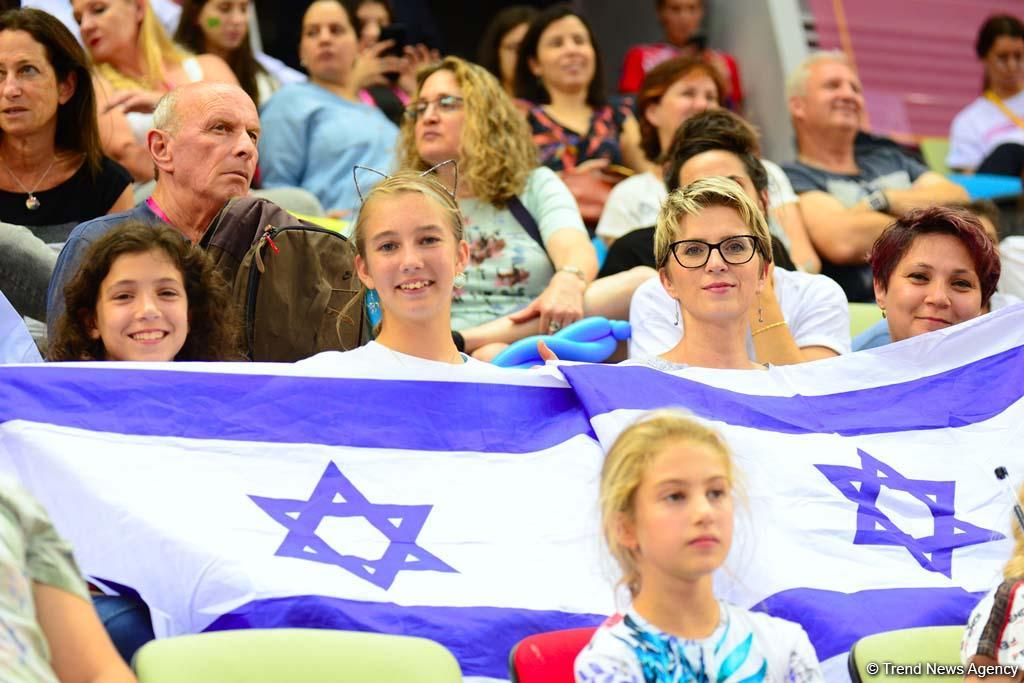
x: 155, y: 208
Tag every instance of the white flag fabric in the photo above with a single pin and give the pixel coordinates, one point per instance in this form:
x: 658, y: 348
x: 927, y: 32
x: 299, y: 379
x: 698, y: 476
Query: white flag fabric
x: 872, y: 502
x: 461, y: 506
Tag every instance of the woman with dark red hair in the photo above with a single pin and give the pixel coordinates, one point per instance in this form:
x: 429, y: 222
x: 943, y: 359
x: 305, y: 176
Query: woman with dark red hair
x: 933, y: 268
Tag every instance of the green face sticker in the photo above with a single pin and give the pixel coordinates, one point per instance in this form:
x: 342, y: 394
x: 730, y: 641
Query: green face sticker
x: 213, y: 22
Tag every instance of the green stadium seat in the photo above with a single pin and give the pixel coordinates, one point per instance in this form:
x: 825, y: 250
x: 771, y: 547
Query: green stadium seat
x: 296, y: 656
x: 879, y: 657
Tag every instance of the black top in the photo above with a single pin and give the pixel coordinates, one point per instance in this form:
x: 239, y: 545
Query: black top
x: 635, y: 248
x: 80, y: 198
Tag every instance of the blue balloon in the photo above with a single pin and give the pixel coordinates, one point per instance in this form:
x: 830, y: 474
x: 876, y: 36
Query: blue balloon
x: 590, y: 340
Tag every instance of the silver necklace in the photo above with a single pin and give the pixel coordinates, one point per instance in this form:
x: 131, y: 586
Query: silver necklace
x: 32, y: 202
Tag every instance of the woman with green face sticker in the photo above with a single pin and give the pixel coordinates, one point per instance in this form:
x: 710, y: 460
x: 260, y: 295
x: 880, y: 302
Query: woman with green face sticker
x: 221, y: 27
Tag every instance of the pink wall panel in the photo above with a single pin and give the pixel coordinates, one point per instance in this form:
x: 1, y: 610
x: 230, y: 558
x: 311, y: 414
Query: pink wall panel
x: 915, y: 57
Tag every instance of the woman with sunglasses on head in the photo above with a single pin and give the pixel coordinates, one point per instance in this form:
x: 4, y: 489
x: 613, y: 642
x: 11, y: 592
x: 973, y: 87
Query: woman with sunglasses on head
x: 531, y: 261
x: 315, y: 132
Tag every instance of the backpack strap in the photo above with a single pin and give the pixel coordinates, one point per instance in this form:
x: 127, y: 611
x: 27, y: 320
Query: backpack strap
x: 525, y: 219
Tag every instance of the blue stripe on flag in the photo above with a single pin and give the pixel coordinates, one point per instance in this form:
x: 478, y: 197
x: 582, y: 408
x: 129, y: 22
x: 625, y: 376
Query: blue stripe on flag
x: 955, y: 398
x: 481, y: 638
x: 834, y: 621
x: 366, y: 413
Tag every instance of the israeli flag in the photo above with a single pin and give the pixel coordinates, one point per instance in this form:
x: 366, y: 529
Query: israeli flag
x: 252, y: 496
x: 462, y: 506
x: 871, y: 500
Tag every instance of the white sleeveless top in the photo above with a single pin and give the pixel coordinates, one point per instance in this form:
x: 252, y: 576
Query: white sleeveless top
x: 142, y: 123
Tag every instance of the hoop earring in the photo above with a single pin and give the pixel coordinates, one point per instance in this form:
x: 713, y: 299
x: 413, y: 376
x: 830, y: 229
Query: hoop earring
x: 459, y: 281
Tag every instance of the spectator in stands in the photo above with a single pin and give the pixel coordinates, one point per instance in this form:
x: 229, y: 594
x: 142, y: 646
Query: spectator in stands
x: 136, y: 64
x: 53, y: 168
x: 707, y: 236
x: 798, y: 316
x: 411, y: 252
x: 996, y: 625
x: 987, y: 136
x: 145, y: 294
x: 723, y: 135
x: 391, y: 93
x: 53, y: 173
x: 667, y: 492
x: 559, y: 77
x: 315, y: 132
x: 204, y: 146
x: 681, y: 20
x: 51, y: 631
x: 529, y: 252
x: 933, y: 268
x: 499, y: 48
x: 221, y: 28
x: 671, y: 92
x: 16, y: 343
x: 849, y: 194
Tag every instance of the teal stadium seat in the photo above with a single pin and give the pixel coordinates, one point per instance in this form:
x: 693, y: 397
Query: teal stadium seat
x: 295, y: 656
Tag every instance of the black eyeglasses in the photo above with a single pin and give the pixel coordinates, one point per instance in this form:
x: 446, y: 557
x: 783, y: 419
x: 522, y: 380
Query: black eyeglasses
x: 695, y: 253
x: 445, y: 104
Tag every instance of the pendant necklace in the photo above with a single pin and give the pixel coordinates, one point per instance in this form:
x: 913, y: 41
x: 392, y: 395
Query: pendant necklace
x: 32, y: 202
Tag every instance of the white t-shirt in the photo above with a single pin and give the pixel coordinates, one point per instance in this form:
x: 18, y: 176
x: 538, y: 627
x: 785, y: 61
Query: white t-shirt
x: 813, y: 306
x: 373, y: 357
x: 1011, y: 255
x: 979, y: 128
x: 635, y: 202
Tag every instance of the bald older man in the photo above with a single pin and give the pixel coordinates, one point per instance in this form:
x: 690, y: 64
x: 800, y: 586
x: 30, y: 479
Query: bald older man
x: 849, y: 192
x: 203, y: 147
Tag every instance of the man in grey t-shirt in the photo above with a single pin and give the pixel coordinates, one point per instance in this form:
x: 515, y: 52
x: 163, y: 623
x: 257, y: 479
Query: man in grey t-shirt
x: 849, y: 193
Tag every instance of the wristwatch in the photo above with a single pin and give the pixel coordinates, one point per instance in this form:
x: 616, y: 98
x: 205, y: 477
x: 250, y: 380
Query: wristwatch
x: 878, y: 201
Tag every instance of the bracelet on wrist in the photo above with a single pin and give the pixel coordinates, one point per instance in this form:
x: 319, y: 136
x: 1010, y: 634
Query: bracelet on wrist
x: 767, y: 327
x: 574, y: 271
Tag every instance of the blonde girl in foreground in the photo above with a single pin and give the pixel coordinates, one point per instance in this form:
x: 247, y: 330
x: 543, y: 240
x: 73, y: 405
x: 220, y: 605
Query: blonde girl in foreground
x: 667, y: 490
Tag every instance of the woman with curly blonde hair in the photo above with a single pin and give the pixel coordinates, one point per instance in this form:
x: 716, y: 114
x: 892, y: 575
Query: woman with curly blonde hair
x: 531, y: 264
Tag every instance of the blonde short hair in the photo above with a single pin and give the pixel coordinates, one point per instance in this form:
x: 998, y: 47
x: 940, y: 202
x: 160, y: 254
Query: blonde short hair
x: 496, y: 152
x: 692, y: 199
x: 796, y: 82
x: 624, y: 468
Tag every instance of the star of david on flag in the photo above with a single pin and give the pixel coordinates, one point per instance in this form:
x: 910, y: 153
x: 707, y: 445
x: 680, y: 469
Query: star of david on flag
x: 872, y: 504
x: 335, y: 496
x: 934, y: 552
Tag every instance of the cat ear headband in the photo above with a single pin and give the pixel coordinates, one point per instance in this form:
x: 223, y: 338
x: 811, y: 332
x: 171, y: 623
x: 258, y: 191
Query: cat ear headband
x: 451, y: 192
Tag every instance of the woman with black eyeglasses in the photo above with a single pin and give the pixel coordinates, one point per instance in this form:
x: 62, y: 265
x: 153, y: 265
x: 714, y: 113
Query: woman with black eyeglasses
x: 315, y: 132
x: 713, y: 250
